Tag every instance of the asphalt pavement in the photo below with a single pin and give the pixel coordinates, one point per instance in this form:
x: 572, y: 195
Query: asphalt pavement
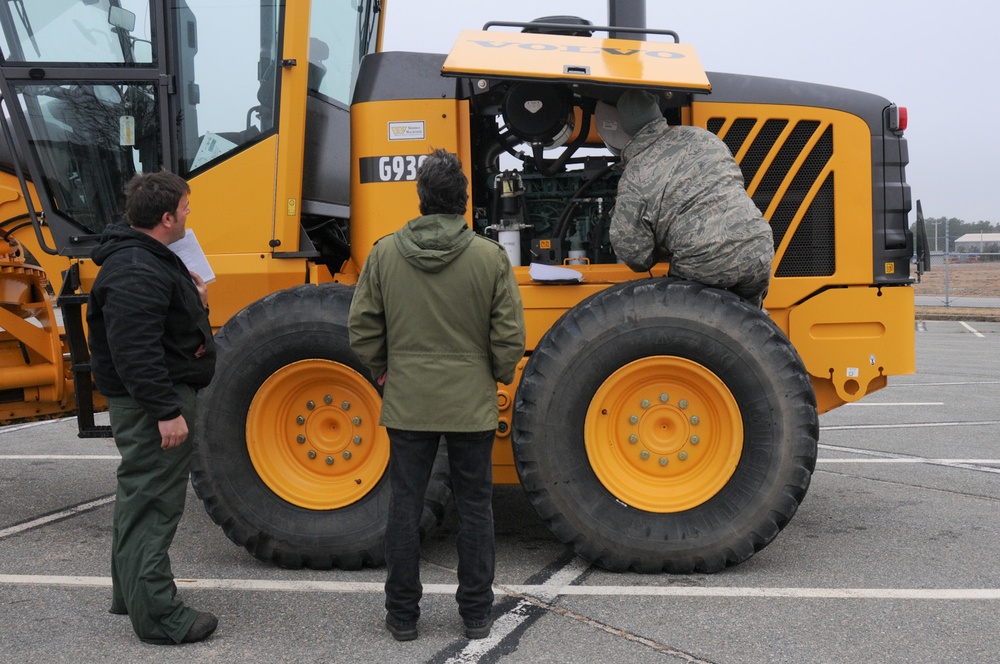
x: 889, y: 558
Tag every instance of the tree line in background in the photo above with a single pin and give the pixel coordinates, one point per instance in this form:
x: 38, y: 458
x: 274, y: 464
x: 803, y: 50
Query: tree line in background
x: 942, y: 230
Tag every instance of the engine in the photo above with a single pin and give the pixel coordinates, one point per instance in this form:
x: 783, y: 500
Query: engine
x: 552, y: 219
x: 544, y: 184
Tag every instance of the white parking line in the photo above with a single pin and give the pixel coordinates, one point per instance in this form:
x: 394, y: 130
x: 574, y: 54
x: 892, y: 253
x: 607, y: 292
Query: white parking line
x: 874, y: 456
x: 549, y: 590
x: 987, y: 462
x: 49, y: 518
x: 509, y: 620
x: 60, y: 457
x: 971, y: 329
x: 20, y: 427
x: 959, y: 382
x: 897, y: 403
x: 909, y: 425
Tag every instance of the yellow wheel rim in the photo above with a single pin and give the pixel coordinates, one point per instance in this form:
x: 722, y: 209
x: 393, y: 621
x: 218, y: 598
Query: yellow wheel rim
x: 663, y: 434
x: 313, y: 435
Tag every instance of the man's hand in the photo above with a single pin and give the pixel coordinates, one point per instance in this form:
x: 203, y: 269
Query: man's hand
x: 173, y: 432
x: 199, y: 283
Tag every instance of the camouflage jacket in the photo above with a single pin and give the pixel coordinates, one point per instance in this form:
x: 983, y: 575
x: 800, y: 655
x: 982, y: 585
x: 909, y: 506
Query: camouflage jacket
x: 681, y: 198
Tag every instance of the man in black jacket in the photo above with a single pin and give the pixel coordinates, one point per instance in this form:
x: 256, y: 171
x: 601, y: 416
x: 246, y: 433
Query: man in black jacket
x: 152, y: 350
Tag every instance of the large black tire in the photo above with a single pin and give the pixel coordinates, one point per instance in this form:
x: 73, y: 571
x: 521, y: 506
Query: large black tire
x: 289, y: 458
x: 661, y: 425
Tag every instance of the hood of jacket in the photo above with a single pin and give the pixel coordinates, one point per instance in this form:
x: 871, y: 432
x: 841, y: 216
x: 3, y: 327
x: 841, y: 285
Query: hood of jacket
x: 646, y: 137
x: 121, y: 236
x: 431, y: 242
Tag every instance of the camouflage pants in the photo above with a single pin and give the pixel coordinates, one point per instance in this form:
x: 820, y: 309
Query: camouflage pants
x: 749, y: 280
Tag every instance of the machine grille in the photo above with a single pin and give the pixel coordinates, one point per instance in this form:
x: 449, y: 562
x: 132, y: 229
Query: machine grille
x: 811, y: 250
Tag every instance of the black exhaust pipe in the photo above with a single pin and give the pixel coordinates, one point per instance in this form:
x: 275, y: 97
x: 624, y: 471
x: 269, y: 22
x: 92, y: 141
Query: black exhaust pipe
x: 627, y: 14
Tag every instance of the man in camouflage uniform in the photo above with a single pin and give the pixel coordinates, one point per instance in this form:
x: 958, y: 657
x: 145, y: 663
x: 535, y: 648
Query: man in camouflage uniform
x: 681, y: 198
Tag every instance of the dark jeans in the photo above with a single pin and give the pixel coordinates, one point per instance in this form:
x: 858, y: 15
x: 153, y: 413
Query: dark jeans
x: 411, y: 458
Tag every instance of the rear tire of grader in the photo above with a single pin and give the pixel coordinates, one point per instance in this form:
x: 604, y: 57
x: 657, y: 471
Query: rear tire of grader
x: 662, y: 425
x: 289, y: 457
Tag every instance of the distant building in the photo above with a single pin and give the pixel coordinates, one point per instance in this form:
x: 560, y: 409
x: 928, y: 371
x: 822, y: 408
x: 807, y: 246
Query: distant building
x: 978, y: 242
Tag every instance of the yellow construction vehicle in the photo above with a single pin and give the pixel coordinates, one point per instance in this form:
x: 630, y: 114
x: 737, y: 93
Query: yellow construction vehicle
x: 656, y: 424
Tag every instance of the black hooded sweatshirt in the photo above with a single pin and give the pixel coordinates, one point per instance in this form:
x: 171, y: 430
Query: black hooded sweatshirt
x: 148, y: 328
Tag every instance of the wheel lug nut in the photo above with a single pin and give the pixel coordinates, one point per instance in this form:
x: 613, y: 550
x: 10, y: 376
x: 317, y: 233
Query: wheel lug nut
x: 312, y: 454
x: 357, y: 440
x: 300, y: 420
x: 311, y: 404
x: 633, y: 439
x: 644, y: 455
x: 633, y: 419
x: 300, y: 439
x: 664, y: 398
x: 346, y: 405
x: 664, y: 461
x: 328, y: 400
x: 329, y: 461
x: 356, y: 421
x: 695, y: 440
x: 645, y: 403
x: 695, y: 419
x: 683, y: 403
x: 682, y: 456
x: 347, y: 454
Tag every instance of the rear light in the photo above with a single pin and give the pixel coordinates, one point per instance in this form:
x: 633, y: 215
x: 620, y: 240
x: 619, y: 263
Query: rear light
x: 898, y: 118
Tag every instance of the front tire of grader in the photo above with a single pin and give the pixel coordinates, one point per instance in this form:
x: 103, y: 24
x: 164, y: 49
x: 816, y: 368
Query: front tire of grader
x: 661, y: 425
x: 289, y: 458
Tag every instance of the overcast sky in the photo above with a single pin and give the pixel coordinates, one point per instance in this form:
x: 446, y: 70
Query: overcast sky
x: 939, y: 59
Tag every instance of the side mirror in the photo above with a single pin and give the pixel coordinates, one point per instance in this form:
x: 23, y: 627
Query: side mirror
x: 142, y: 51
x: 922, y: 250
x: 121, y: 18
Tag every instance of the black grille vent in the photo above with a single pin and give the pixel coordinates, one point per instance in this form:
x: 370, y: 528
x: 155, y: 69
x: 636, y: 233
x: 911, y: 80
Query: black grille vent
x: 761, y: 145
x: 803, y: 180
x: 782, y: 164
x: 811, y: 252
x: 736, y: 135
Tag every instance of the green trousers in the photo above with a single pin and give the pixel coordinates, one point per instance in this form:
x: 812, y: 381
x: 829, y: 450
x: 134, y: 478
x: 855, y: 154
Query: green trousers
x: 152, y: 487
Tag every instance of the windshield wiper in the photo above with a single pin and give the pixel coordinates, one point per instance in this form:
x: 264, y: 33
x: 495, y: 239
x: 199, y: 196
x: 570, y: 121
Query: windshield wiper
x: 22, y: 14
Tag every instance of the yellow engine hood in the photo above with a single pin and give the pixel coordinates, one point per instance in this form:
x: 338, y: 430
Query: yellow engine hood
x: 517, y: 55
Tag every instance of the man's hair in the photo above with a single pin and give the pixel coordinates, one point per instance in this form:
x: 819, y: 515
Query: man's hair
x: 442, y: 185
x: 149, y: 195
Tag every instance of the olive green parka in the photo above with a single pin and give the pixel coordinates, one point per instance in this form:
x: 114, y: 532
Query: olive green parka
x: 437, y: 310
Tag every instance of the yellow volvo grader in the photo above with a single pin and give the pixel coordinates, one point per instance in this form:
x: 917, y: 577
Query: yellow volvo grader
x: 655, y: 424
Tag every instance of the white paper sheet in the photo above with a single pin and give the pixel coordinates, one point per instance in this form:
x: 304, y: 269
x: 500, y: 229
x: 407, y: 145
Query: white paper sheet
x: 189, y: 251
x: 543, y: 272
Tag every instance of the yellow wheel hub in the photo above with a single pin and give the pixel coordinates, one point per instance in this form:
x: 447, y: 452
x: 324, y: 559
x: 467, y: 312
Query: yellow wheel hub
x: 663, y: 434
x: 313, y: 435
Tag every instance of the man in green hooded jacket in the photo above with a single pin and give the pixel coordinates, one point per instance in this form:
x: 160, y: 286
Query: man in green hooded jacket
x: 437, y: 318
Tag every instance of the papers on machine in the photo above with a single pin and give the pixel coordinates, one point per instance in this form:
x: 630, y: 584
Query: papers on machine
x: 554, y: 274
